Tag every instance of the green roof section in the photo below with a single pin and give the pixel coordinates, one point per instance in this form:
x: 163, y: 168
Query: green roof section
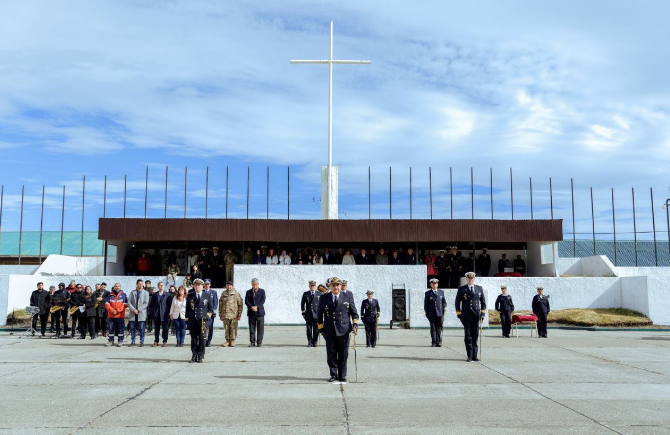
x: 51, y: 242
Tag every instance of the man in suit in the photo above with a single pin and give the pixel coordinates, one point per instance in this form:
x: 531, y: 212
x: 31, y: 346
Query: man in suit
x: 541, y: 309
x: 334, y: 315
x: 310, y: 319
x: 434, y: 305
x: 215, y: 301
x: 471, y: 309
x: 161, y: 303
x: 328, y: 258
x: 60, y: 299
x: 199, y: 309
x: 503, y: 263
x: 40, y: 299
x: 138, y: 303
x: 370, y: 314
x: 255, y: 302
x: 484, y: 262
x: 363, y: 258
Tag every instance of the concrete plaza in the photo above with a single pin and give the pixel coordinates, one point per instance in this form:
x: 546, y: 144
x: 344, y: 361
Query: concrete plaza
x: 574, y: 382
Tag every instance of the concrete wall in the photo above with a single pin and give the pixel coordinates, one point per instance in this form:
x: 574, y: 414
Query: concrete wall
x: 58, y: 265
x: 284, y: 286
x: 8, y: 269
x: 597, y: 265
x: 534, y: 264
x: 117, y: 268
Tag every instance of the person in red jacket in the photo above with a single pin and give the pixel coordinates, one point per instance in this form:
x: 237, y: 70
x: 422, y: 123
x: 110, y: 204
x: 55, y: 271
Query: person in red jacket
x: 143, y: 265
x: 116, y: 304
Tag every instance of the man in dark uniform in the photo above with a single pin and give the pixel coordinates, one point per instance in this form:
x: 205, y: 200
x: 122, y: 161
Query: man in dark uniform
x: 310, y: 316
x: 203, y: 263
x: 217, y: 269
x: 520, y: 265
x: 199, y: 309
x: 370, y: 314
x: 334, y: 315
x: 76, y: 300
x: 541, y: 310
x: 59, y: 299
x: 471, y: 309
x: 434, y: 305
x: 505, y: 307
x: 503, y: 263
x: 346, y: 292
x: 321, y: 290
x: 442, y: 264
x: 215, y: 302
x: 455, y: 268
x: 100, y: 311
x: 484, y: 263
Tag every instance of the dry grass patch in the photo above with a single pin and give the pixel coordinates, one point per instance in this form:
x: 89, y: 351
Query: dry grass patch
x: 603, y: 317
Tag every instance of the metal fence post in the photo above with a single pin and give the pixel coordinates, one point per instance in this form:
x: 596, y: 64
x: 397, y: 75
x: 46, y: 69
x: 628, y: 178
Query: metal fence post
x: 206, y: 191
x: 491, y: 180
x: 185, y: 188
x: 21, y: 223
x: 531, y: 199
x: 166, y: 192
x: 634, y: 225
x: 511, y: 190
x: 104, y: 199
x: 593, y: 224
x: 146, y: 191
x: 83, y: 208
x: 62, y: 221
x: 410, y: 193
x: 472, y: 192
x: 267, y: 195
x: 614, y: 228
x: 390, y: 195
x: 574, y: 240
x: 653, y: 225
x: 226, y: 192
x: 125, y: 191
x: 451, y: 193
x: 248, y: 178
x: 430, y: 190
x: 288, y: 191
x: 369, y: 194
x: 551, y: 199
x: 41, y: 224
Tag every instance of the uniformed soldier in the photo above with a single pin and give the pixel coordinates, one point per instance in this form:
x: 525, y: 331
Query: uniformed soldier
x: 218, y: 274
x: 230, y: 312
x: 505, y: 307
x: 215, y: 301
x: 442, y: 264
x: 230, y: 259
x: 321, y: 290
x: 503, y: 263
x: 484, y: 262
x: 541, y: 310
x: 203, y: 263
x: 311, y: 328
x: 455, y: 268
x: 471, y: 309
x: 347, y: 292
x: 520, y: 265
x: 199, y: 309
x: 370, y: 315
x: 335, y: 315
x: 434, y: 305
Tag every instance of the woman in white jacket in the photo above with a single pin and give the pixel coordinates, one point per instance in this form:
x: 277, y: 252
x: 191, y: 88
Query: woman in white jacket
x: 178, y: 315
x: 284, y: 260
x: 271, y: 258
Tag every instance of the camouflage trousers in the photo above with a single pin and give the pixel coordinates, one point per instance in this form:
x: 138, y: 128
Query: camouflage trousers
x: 229, y: 274
x: 231, y: 329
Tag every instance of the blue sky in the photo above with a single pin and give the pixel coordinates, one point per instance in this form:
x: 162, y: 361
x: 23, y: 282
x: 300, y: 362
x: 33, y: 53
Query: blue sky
x: 552, y: 89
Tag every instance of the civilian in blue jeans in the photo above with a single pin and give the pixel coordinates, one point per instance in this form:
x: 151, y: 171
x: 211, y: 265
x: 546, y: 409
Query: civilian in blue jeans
x: 178, y: 315
x: 138, y: 302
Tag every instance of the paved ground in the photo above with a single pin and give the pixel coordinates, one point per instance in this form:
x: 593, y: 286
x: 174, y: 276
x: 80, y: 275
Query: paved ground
x: 574, y: 382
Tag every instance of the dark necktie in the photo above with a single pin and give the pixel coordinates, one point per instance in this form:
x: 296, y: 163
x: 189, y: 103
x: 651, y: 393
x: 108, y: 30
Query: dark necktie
x: 335, y: 301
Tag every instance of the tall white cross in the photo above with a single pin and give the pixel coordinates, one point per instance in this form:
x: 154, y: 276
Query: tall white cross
x: 328, y: 212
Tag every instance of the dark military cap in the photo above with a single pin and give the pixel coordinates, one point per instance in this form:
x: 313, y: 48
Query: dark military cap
x: 334, y: 280
x: 312, y: 282
x: 229, y: 282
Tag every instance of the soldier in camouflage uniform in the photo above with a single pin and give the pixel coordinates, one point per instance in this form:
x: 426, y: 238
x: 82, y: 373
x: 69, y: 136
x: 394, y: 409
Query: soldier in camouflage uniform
x: 230, y: 259
x: 230, y: 312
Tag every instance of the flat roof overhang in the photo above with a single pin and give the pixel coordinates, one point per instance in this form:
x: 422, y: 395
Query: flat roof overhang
x: 327, y: 231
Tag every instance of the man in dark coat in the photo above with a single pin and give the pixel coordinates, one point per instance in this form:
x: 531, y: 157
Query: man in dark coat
x: 484, y: 263
x: 434, y: 305
x: 503, y: 263
x: 311, y: 328
x: 60, y: 299
x: 161, y: 303
x: 443, y: 264
x: 335, y: 315
x: 471, y: 310
x: 541, y: 309
x: 255, y: 302
x: 199, y: 309
x: 363, y: 258
x: 100, y: 311
x: 370, y: 314
x: 40, y: 299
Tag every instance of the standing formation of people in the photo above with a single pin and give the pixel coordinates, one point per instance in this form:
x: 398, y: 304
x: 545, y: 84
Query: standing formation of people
x: 328, y: 310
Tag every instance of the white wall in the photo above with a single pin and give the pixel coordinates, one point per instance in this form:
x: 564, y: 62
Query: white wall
x: 23, y: 269
x: 534, y: 266
x: 4, y: 295
x: 57, y: 265
x: 117, y: 268
x: 284, y: 286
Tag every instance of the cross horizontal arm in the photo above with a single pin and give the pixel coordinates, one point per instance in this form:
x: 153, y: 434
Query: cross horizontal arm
x: 338, y: 62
